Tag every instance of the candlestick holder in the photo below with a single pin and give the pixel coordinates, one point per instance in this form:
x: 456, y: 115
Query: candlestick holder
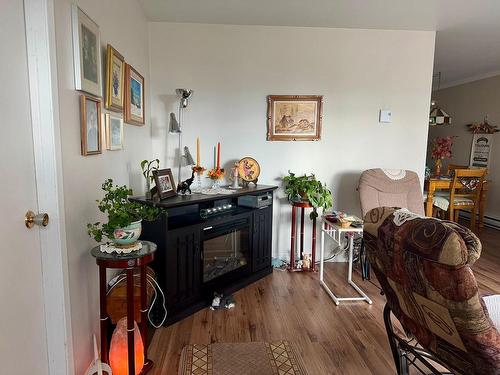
x: 216, y: 175
x: 199, y: 171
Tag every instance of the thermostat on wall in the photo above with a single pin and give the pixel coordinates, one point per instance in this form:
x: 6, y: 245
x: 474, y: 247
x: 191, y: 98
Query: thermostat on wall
x: 385, y: 115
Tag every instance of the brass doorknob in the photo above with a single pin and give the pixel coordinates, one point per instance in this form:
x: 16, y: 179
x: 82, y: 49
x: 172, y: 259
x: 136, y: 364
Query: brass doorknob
x: 30, y: 219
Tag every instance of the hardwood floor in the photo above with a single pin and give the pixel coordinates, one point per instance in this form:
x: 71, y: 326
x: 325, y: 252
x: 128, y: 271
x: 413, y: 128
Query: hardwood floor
x: 348, y: 339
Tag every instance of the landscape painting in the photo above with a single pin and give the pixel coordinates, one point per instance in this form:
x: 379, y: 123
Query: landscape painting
x: 294, y: 117
x: 134, y: 96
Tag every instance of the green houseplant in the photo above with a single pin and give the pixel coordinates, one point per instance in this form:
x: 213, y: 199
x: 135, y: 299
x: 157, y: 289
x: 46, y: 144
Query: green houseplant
x: 307, y: 188
x: 148, y: 167
x: 124, y: 217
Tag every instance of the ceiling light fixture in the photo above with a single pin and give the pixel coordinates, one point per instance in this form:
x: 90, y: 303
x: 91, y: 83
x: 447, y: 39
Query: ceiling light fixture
x: 438, y: 116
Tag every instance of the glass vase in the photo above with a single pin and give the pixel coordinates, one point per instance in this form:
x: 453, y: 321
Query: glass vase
x: 215, y: 184
x: 197, y: 187
x: 437, y: 168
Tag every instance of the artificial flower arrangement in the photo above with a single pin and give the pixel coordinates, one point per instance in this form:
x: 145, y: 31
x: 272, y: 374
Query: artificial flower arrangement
x: 198, y: 169
x: 216, y: 173
x: 441, y: 149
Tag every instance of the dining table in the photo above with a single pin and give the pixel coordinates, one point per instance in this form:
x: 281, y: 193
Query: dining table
x: 443, y: 183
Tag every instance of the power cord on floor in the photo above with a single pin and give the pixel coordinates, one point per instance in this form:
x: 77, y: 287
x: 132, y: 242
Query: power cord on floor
x: 154, y: 284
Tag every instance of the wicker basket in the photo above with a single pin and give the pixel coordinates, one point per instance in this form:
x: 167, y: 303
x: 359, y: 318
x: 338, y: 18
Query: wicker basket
x: 344, y: 223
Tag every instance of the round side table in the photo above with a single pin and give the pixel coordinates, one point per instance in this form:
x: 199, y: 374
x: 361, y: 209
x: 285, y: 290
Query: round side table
x: 136, y: 259
x: 302, y: 206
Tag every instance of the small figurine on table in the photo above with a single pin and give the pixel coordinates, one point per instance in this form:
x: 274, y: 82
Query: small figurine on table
x: 235, y: 177
x: 185, y: 186
x: 306, y: 261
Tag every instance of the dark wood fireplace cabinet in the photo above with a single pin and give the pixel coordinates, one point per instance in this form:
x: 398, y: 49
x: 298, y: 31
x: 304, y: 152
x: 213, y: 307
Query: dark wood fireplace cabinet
x: 210, y: 243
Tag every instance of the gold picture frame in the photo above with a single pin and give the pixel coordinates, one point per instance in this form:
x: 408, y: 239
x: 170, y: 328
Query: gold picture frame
x: 114, y: 132
x: 115, y: 76
x: 294, y: 117
x: 90, y: 125
x: 134, y: 96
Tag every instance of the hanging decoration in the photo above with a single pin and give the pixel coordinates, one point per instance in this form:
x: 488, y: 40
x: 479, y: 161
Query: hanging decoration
x: 482, y: 142
x: 438, y: 116
x: 483, y: 128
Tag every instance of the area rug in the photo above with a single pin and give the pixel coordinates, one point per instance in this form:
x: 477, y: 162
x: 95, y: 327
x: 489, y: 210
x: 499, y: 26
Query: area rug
x: 252, y: 358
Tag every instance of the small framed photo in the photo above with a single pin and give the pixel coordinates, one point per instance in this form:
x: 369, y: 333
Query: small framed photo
x: 90, y: 109
x: 165, y: 185
x: 134, y: 96
x: 115, y: 74
x: 86, y: 52
x: 294, y: 117
x: 114, y: 132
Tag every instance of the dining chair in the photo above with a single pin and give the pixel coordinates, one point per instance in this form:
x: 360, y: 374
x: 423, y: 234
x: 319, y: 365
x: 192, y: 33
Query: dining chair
x: 465, y: 193
x: 451, y: 168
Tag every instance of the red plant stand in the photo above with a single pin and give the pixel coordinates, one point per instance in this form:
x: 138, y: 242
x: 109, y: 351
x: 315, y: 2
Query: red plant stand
x: 293, y: 267
x: 136, y: 259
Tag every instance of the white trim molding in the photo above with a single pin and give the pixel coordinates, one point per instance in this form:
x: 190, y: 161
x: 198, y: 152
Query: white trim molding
x: 477, y: 77
x: 42, y: 71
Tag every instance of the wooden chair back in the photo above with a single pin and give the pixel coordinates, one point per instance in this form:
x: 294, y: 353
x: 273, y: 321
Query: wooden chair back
x: 451, y: 168
x: 466, y: 184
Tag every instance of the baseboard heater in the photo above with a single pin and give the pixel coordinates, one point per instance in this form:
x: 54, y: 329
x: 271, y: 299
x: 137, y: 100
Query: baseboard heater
x: 489, y: 221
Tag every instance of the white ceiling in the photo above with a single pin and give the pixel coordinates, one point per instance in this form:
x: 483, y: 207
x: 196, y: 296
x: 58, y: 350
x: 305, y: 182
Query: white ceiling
x: 467, y: 39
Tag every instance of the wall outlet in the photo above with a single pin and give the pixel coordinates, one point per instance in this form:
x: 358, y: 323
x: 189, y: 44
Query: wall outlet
x: 385, y: 116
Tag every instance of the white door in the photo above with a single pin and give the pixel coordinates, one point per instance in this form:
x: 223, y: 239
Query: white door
x: 23, y: 341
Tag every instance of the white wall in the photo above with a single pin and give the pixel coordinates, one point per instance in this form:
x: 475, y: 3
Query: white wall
x: 122, y: 24
x: 233, y: 68
x: 469, y: 103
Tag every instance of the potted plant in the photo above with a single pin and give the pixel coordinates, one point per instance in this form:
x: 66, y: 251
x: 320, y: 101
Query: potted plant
x: 307, y: 188
x: 148, y: 167
x: 124, y: 217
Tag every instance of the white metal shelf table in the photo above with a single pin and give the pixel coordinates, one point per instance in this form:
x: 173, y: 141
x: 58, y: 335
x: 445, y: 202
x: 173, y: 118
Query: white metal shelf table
x: 336, y: 233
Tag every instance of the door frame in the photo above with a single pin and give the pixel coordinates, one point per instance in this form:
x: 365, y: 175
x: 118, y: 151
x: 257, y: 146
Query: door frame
x: 44, y: 105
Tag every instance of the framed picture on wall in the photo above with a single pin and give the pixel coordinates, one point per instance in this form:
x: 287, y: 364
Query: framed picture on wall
x: 115, y: 73
x: 294, y: 117
x: 165, y: 185
x: 86, y: 52
x: 134, y: 96
x: 114, y: 132
x: 90, y: 113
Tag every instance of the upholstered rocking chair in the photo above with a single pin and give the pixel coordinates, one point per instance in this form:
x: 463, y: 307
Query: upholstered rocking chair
x: 424, y: 268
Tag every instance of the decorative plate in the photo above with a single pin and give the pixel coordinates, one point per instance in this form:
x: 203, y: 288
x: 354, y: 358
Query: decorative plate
x: 249, y: 169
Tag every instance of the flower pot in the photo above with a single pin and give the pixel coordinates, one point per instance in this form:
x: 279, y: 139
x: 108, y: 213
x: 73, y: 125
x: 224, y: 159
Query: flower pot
x: 128, y: 235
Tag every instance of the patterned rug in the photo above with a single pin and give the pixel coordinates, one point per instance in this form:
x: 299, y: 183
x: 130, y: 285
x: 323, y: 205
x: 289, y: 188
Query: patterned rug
x: 252, y: 358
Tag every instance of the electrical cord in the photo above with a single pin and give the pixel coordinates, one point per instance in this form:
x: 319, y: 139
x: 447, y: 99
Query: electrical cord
x: 154, y: 284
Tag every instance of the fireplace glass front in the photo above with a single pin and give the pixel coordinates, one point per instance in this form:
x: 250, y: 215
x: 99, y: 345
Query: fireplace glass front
x: 225, y: 252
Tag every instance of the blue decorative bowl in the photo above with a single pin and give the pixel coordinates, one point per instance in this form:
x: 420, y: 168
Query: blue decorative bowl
x: 128, y: 235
